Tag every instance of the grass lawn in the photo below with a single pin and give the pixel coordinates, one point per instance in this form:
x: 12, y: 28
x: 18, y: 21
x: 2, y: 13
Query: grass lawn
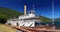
x: 4, y: 28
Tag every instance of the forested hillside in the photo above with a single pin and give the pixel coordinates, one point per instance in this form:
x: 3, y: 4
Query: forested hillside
x: 45, y: 19
x: 8, y: 13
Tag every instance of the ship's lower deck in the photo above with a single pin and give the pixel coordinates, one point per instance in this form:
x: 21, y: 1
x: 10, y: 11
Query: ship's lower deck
x: 22, y: 23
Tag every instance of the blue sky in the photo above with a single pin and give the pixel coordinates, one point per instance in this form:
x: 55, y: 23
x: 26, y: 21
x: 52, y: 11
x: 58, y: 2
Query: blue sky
x: 43, y: 7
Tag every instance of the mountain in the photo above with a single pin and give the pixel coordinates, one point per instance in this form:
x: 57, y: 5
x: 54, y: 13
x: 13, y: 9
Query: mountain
x: 8, y: 13
x: 45, y: 19
x: 57, y: 19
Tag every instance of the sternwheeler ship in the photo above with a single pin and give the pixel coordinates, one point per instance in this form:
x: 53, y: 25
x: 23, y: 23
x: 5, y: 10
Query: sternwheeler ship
x: 27, y: 20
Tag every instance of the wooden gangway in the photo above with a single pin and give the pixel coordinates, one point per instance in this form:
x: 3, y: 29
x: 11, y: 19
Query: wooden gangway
x: 34, y: 29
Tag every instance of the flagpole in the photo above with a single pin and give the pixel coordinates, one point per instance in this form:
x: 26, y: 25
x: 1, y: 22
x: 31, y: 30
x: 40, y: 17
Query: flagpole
x: 53, y: 14
x: 53, y: 11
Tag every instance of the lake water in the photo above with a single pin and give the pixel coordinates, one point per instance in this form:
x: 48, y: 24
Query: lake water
x: 56, y: 23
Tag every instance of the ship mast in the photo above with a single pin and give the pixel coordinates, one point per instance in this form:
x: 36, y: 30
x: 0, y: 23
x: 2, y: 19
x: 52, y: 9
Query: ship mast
x: 33, y: 7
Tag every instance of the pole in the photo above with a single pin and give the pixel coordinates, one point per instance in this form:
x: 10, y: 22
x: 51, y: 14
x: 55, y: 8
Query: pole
x: 53, y: 11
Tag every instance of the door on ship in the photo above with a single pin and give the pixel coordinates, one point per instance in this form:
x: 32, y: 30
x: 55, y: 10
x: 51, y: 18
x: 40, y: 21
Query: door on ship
x: 17, y: 24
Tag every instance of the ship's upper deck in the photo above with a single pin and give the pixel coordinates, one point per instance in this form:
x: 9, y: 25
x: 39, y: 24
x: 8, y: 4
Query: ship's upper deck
x: 31, y: 14
x: 27, y: 16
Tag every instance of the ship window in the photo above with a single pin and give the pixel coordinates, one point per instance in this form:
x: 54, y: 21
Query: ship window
x: 30, y: 19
